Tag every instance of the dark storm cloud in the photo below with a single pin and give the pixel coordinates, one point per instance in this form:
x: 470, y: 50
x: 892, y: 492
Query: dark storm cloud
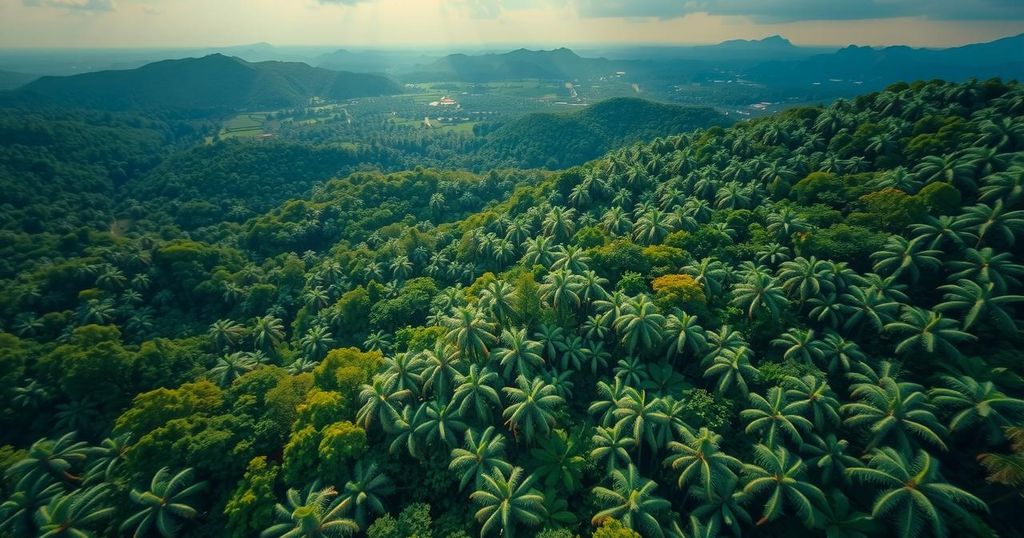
x: 807, y: 10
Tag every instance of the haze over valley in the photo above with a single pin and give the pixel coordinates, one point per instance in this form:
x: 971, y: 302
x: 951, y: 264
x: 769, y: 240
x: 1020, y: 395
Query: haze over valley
x: 540, y: 268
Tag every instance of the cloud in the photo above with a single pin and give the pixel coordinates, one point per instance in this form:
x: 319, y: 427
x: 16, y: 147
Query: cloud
x: 74, y: 5
x: 343, y: 2
x: 775, y: 11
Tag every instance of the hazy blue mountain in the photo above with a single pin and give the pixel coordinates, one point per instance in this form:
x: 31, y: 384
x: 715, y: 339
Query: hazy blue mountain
x: 372, y: 61
x: 10, y: 80
x: 874, y: 67
x: 210, y: 82
x: 558, y: 64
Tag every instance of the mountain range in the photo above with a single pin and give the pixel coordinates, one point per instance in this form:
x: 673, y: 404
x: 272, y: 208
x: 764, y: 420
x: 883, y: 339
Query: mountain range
x: 875, y: 67
x: 214, y: 82
x: 558, y: 64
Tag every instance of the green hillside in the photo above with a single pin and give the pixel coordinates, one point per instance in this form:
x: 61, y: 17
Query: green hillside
x: 214, y: 82
x: 802, y: 325
x: 559, y: 140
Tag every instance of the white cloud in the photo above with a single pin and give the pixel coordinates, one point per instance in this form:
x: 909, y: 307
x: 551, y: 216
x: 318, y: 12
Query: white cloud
x: 74, y: 5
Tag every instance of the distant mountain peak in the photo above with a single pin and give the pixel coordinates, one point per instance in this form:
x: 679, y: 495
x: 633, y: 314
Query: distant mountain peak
x: 772, y: 41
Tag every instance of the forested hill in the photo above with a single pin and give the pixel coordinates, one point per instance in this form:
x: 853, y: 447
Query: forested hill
x: 806, y: 324
x: 211, y: 83
x: 560, y: 140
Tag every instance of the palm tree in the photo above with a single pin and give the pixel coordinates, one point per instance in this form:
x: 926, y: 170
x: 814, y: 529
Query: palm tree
x: 725, y: 508
x: 977, y: 404
x: 994, y: 219
x: 862, y: 307
x: 901, y: 257
x: 561, y: 290
x: 611, y: 447
x: 25, y: 499
x: 632, y: 501
x: 632, y: 370
x: 316, y: 342
x: 316, y: 298
x: 436, y: 421
x: 773, y: 254
x: 608, y: 397
x: 652, y: 227
x: 75, y: 513
x: 470, y: 332
x: 773, y: 416
x: 812, y: 398
x: 913, y: 493
x: 804, y: 277
x: 549, y: 336
x: 558, y: 461
x: 928, y: 331
x: 498, y: 297
x: 558, y: 223
x: 269, y: 332
x: 841, y: 521
x: 316, y: 513
x: 571, y: 258
x: 475, y: 393
x: 683, y: 334
x: 640, y: 324
x: 596, y: 357
x: 520, y: 356
x: 507, y: 502
x: 760, y: 293
x: 531, y: 407
x: 481, y: 455
x: 230, y: 367
x: 441, y: 366
x: 894, y: 413
x: 987, y: 266
x: 828, y: 455
x: 980, y: 302
x: 640, y: 414
x: 380, y: 400
x: 52, y: 458
x: 401, y: 267
x: 365, y: 492
x: 592, y: 286
x: 616, y: 221
x: 948, y: 169
x: 800, y: 345
x: 165, y: 504
x: 710, y: 273
x: 938, y: 231
x: 572, y: 354
x: 405, y: 371
x: 732, y: 368
x: 108, y: 459
x: 784, y: 223
x: 783, y: 474
x: 539, y: 251
x: 377, y: 341
x: 700, y: 462
x: 225, y: 333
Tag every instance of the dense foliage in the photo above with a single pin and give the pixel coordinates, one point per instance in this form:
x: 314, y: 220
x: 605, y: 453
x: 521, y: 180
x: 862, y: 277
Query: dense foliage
x: 553, y: 140
x: 801, y: 325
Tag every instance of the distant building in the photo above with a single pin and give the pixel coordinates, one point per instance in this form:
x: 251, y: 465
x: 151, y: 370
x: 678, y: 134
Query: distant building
x: 445, y: 101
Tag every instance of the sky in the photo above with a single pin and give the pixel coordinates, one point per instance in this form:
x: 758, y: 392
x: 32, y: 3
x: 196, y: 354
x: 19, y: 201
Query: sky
x: 494, y: 23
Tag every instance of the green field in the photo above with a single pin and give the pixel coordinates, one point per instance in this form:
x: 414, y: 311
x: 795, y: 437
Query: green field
x: 245, y: 125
